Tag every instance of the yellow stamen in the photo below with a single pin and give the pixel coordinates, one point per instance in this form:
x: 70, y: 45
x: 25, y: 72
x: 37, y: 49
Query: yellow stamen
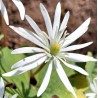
x: 55, y: 49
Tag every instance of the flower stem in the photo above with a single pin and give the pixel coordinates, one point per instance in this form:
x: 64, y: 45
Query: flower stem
x: 37, y: 71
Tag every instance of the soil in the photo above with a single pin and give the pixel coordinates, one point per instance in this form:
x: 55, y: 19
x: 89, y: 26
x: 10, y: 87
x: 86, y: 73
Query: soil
x: 80, y: 10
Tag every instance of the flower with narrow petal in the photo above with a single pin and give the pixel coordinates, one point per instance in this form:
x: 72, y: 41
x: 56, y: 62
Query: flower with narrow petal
x: 2, y: 88
x: 18, y: 4
x: 53, y: 48
x: 93, y: 87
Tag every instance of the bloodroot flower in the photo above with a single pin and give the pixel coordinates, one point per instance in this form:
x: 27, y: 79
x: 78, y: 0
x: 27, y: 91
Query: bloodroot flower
x: 2, y: 90
x: 53, y: 48
x: 18, y: 4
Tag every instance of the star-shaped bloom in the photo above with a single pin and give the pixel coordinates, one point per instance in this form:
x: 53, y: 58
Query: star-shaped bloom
x: 18, y: 4
x: 2, y: 88
x: 93, y: 87
x: 53, y: 48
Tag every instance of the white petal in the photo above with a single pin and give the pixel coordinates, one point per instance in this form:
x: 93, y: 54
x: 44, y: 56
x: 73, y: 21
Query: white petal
x: 29, y: 36
x: 76, y: 47
x: 92, y: 87
x: 45, y: 37
x: 74, y: 67
x: 64, y: 23
x: 56, y: 19
x: 63, y: 77
x: 14, y: 72
x: 1, y: 36
x: 20, y: 7
x: 92, y: 95
x: 4, y: 13
x: 27, y: 50
x: 95, y: 83
x: 1, y: 88
x: 45, y: 80
x: 28, y: 60
x: 46, y: 19
x: 37, y: 29
x: 25, y: 68
x: 0, y: 4
x: 39, y: 38
x: 6, y: 96
x: 63, y: 26
x: 77, y: 33
x: 79, y: 57
x: 14, y: 96
x: 33, y: 24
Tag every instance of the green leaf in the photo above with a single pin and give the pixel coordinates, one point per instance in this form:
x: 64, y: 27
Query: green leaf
x: 78, y: 79
x: 21, y: 81
x: 91, y: 68
x: 90, y: 65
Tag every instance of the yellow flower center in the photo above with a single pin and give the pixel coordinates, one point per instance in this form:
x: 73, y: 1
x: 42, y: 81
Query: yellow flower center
x: 55, y: 48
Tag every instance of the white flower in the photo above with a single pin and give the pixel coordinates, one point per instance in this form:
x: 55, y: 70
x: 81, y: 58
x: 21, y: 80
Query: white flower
x: 18, y: 4
x: 2, y: 90
x: 53, y: 48
x: 93, y: 87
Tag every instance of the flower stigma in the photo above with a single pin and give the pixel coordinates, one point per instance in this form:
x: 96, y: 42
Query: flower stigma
x: 55, y: 48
